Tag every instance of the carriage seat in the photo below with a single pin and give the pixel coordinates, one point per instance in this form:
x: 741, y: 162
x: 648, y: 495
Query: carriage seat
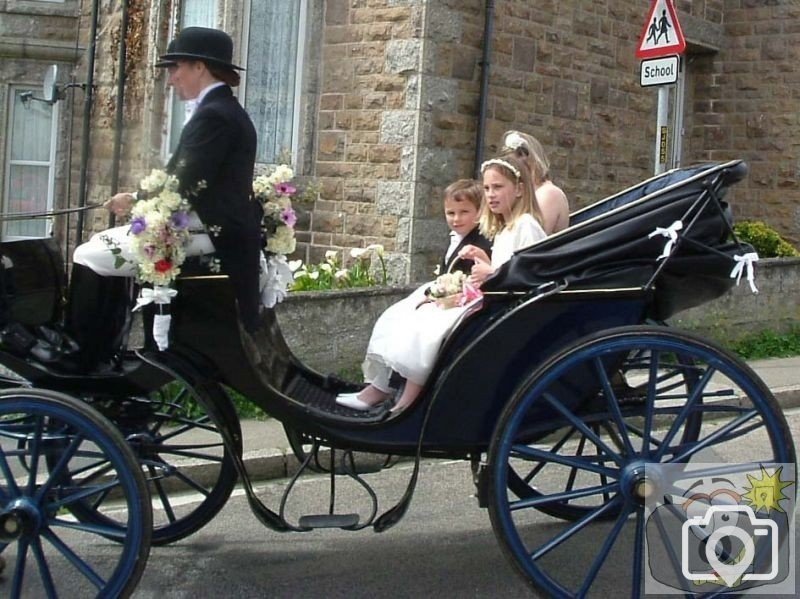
x: 32, y: 301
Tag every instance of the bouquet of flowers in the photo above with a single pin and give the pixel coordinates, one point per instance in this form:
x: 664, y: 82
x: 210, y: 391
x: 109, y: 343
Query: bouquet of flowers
x: 275, y: 192
x: 447, y: 289
x: 159, y: 231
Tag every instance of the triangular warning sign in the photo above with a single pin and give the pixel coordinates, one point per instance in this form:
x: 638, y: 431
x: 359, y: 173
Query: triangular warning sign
x: 661, y: 34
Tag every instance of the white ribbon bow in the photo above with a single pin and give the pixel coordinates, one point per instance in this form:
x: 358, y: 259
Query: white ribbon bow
x: 671, y: 233
x: 742, y: 263
x: 158, y: 295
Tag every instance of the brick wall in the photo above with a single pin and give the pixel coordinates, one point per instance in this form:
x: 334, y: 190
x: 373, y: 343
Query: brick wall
x: 747, y: 105
x: 366, y: 120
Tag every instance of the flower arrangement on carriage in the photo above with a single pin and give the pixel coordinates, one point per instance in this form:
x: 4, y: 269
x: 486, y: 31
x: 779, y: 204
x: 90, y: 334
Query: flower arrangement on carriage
x: 275, y: 192
x: 159, y: 231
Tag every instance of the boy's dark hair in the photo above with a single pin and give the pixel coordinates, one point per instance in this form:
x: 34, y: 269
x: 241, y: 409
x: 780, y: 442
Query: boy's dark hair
x: 468, y: 190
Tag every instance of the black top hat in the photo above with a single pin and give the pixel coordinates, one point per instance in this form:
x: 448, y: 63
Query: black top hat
x: 200, y: 43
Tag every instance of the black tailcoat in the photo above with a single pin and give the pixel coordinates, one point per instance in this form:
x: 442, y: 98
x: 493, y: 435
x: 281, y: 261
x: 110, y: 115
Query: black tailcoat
x: 472, y: 238
x: 214, y: 164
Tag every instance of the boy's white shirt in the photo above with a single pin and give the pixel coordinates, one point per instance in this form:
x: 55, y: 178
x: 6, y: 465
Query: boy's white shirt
x: 455, y: 239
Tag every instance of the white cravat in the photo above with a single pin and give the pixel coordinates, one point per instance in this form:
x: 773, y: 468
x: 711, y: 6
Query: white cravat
x: 455, y: 239
x: 191, y: 105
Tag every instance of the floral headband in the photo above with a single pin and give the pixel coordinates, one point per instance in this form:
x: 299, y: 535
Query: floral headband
x: 514, y: 141
x: 501, y: 162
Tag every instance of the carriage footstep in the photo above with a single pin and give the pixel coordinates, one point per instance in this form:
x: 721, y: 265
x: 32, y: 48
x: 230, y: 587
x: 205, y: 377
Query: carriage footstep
x: 328, y: 521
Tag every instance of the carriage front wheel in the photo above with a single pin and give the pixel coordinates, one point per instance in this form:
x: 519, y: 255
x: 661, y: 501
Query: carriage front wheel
x: 695, y: 403
x: 55, y: 452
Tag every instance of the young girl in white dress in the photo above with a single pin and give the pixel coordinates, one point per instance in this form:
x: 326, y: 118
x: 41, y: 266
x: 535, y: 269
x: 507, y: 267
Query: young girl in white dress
x: 407, y: 336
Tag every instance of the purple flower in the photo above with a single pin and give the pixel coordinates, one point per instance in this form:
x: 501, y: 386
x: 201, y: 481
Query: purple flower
x: 138, y: 225
x: 180, y: 220
x: 149, y: 251
x: 288, y: 217
x: 285, y: 189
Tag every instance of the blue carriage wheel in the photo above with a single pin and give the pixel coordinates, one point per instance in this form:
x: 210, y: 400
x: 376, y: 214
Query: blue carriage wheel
x: 570, y: 454
x: 180, y: 449
x: 56, y: 451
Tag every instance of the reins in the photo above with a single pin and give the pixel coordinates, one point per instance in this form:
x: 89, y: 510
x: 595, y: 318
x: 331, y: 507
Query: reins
x: 12, y: 216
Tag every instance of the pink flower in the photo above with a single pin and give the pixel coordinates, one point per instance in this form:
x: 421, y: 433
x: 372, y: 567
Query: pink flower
x: 285, y: 189
x: 289, y: 217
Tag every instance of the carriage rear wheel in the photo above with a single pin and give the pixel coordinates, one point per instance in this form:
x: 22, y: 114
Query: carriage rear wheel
x: 629, y: 388
x: 189, y: 471
x: 47, y: 552
x: 598, y: 462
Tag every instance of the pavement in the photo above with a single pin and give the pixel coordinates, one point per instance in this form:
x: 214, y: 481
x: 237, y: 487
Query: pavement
x: 267, y: 453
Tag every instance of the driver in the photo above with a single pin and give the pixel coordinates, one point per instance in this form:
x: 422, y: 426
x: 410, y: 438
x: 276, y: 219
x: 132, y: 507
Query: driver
x: 213, y: 162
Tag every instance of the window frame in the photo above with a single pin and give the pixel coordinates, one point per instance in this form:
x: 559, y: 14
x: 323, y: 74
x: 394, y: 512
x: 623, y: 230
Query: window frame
x: 13, y: 88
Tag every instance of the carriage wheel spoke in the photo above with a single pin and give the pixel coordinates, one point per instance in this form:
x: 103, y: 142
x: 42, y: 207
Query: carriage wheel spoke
x: 162, y: 496
x: 35, y: 445
x: 74, y: 559
x: 10, y: 480
x: 613, y: 405
x: 604, y: 551
x: 576, y: 421
x: 196, y: 486
x: 180, y: 451
x: 189, y: 424
x: 565, y: 460
x: 19, y: 568
x: 173, y: 406
x: 44, y: 569
x: 79, y: 495
x: 680, y: 419
x: 529, y: 477
x: 561, y: 497
x: 718, y: 436
x: 575, y: 527
x: 56, y: 471
x: 650, y: 399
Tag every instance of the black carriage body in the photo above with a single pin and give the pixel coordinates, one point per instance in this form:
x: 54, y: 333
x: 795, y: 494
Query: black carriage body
x: 601, y: 272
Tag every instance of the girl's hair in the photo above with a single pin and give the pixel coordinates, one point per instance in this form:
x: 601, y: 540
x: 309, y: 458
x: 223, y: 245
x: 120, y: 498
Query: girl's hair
x: 527, y: 147
x: 515, y: 170
x: 466, y: 190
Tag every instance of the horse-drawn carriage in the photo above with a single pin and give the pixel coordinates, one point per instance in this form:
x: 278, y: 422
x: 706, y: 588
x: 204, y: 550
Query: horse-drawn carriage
x: 554, y: 387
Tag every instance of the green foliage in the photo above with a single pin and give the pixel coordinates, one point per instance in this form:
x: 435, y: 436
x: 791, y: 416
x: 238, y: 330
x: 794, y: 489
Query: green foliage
x: 332, y: 273
x: 768, y: 344
x: 244, y: 407
x: 766, y: 240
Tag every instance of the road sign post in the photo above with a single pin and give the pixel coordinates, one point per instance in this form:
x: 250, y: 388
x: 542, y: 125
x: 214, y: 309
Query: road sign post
x: 660, y: 45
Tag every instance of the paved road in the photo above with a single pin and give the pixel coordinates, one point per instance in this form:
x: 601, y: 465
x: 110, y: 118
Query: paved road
x: 443, y: 548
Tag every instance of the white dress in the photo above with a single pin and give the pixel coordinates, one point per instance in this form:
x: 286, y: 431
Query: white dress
x: 407, y: 336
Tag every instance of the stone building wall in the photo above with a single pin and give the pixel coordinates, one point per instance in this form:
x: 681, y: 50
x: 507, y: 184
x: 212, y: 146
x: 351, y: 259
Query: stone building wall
x: 747, y: 105
x: 34, y: 36
x: 391, y: 96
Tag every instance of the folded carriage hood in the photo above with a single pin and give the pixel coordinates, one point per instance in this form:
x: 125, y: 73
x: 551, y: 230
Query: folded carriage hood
x: 608, y: 244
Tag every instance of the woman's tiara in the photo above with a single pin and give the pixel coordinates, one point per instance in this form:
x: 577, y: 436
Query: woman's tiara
x: 501, y: 162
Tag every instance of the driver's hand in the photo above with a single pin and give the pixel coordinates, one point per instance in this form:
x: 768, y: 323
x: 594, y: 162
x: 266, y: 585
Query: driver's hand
x: 120, y: 204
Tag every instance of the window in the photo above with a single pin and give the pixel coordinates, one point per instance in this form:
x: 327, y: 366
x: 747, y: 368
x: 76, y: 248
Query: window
x: 29, y: 170
x: 193, y: 13
x: 274, y: 49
